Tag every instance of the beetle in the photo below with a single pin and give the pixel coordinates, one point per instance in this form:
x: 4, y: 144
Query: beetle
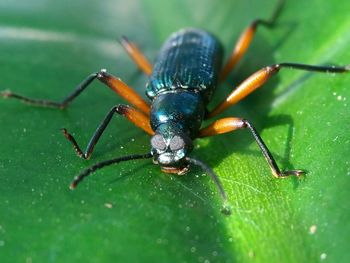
x: 181, y: 83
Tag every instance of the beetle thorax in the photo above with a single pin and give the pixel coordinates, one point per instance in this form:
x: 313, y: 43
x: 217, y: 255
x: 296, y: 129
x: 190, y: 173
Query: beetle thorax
x: 179, y: 110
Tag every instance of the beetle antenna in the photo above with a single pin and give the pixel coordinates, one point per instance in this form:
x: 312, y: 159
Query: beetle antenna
x: 215, y: 178
x: 100, y: 165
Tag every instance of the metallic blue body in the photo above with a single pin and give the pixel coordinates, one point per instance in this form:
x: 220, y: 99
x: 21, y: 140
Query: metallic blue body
x: 189, y: 59
x: 183, y: 80
x: 177, y: 111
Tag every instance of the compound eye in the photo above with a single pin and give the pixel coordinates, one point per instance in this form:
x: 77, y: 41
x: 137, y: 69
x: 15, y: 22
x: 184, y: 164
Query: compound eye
x: 176, y: 143
x: 158, y: 142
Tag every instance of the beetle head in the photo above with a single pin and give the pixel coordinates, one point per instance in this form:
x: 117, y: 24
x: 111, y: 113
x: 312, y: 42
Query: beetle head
x: 169, y: 150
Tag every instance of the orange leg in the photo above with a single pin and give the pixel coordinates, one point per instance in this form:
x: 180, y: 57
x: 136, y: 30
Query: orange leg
x: 260, y: 77
x: 244, y: 89
x: 114, y: 83
x: 136, y: 55
x: 124, y: 91
x: 231, y: 124
x: 245, y: 39
x: 136, y: 117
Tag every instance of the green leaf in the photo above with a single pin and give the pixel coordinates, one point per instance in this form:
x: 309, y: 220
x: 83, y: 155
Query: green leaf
x: 134, y: 213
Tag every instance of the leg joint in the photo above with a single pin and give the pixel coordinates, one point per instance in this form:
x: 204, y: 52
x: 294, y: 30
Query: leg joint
x: 272, y: 69
x: 261, y: 22
x: 121, y: 109
x: 101, y: 74
x: 246, y: 123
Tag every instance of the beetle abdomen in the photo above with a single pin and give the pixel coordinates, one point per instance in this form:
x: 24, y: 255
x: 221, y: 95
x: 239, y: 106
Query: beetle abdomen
x: 189, y: 59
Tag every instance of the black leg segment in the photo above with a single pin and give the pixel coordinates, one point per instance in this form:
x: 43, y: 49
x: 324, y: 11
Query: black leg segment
x: 267, y: 154
x: 325, y: 69
x: 49, y: 103
x: 96, y: 136
x: 133, y: 115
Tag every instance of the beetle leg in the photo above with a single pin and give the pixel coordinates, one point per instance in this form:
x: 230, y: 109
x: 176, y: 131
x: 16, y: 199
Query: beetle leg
x: 257, y: 79
x: 48, y: 103
x: 231, y: 124
x: 136, y: 117
x: 246, y: 38
x: 136, y: 55
x: 124, y: 91
x: 114, y: 83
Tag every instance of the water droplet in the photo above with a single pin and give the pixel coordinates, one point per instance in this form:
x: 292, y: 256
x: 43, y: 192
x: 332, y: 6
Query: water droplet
x: 312, y: 229
x: 108, y: 205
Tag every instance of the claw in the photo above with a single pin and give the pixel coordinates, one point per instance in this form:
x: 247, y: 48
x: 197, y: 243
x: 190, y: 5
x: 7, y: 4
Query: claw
x: 296, y: 173
x: 5, y: 93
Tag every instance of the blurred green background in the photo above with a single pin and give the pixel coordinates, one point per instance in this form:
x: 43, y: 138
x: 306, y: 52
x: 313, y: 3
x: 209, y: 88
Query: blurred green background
x: 135, y: 213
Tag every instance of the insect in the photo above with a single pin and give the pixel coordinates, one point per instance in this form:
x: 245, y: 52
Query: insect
x: 181, y: 84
